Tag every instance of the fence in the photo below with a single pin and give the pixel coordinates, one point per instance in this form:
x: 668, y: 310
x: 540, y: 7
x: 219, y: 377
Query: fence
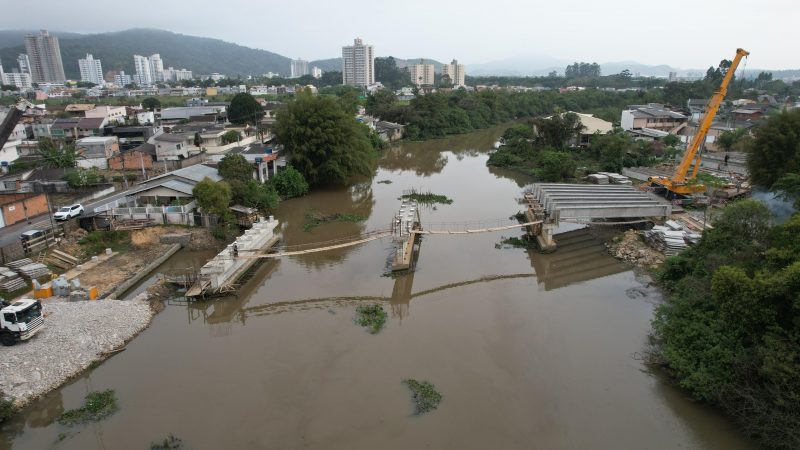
x: 165, y: 215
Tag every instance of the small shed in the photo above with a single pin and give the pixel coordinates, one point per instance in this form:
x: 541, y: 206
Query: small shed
x: 245, y: 216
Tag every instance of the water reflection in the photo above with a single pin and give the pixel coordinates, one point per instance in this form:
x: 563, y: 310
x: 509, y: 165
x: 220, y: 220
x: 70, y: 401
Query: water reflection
x: 580, y: 257
x: 424, y: 160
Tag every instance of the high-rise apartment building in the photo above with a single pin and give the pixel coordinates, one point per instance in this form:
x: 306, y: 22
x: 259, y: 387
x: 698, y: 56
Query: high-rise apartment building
x: 316, y: 72
x: 358, y: 64
x: 45, y: 58
x: 15, y: 78
x: 422, y: 74
x: 299, y: 68
x: 91, y: 69
x: 122, y: 79
x: 455, y: 71
x: 149, y: 70
x: 24, y: 63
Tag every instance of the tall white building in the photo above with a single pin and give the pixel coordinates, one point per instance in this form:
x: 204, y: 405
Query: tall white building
x: 24, y: 63
x: 358, y: 64
x: 15, y: 78
x: 316, y: 72
x: 156, y: 67
x: 122, y: 79
x: 143, y: 76
x: 299, y: 68
x: 455, y: 71
x: 149, y: 70
x: 91, y: 69
x: 44, y: 52
x: 422, y: 74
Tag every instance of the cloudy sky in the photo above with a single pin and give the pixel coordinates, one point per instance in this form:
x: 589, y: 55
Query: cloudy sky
x: 681, y: 33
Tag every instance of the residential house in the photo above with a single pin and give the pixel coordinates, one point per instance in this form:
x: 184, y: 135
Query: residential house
x: 185, y: 112
x: 696, y: 107
x: 749, y: 113
x: 176, y: 185
x: 41, y: 129
x: 19, y: 207
x: 91, y: 126
x: 266, y: 160
x: 79, y: 109
x: 652, y: 116
x: 591, y: 126
x: 112, y: 114
x: 65, y: 129
x: 9, y: 153
x: 130, y: 137
x: 137, y: 158
x: 96, y: 150
x: 173, y: 146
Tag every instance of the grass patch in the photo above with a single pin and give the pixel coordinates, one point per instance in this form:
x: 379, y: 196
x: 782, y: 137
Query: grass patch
x: 97, y: 242
x: 170, y: 442
x: 98, y: 405
x: 424, y: 394
x: 315, y: 219
x: 427, y: 198
x: 372, y: 317
x: 385, y: 182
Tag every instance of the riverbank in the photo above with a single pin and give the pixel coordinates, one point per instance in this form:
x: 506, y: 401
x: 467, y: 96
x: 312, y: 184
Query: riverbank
x: 76, y: 336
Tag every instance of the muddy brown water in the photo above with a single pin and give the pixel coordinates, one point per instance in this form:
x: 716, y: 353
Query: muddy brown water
x: 529, y: 351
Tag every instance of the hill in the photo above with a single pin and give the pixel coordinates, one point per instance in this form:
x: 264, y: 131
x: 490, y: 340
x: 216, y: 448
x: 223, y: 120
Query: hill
x: 198, y: 54
x: 15, y: 38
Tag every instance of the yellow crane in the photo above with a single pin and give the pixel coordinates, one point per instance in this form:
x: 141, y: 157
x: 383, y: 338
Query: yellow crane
x: 679, y: 184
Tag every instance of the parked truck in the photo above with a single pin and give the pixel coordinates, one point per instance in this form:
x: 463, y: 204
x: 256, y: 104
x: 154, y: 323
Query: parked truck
x: 20, y: 320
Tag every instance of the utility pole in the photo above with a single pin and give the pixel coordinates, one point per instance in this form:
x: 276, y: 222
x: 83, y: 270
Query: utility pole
x: 141, y: 161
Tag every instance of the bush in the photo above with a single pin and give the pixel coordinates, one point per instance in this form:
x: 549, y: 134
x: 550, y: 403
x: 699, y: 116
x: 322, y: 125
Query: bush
x: 7, y: 408
x: 98, y: 406
x: 97, y: 242
x: 289, y: 183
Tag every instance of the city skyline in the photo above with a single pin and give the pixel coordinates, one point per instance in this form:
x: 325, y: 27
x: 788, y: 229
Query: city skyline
x: 511, y: 29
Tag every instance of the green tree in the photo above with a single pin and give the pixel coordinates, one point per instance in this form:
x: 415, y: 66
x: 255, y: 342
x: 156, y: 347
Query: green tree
x: 776, y: 149
x: 288, y: 182
x: 323, y: 141
x: 213, y: 197
x: 253, y: 194
x: 235, y: 167
x: 151, y: 103
x: 245, y: 109
x: 230, y: 137
x: 727, y: 139
x: 63, y: 156
x: 558, y: 130
x: 788, y: 187
x: 556, y: 166
x: 380, y: 102
x: 387, y: 72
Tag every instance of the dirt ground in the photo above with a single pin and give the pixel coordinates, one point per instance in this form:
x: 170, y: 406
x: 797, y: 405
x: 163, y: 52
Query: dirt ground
x: 631, y: 247
x: 145, y: 247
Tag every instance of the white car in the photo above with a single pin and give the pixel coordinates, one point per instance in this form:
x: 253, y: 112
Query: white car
x: 68, y: 212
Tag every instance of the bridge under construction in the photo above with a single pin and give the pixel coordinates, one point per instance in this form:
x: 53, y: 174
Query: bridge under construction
x: 548, y: 204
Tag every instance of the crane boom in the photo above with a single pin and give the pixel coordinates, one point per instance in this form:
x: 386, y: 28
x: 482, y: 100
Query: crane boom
x: 677, y: 184
x: 11, y: 119
x: 711, y: 111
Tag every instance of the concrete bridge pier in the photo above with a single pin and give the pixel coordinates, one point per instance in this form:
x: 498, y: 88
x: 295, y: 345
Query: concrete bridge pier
x: 545, y: 238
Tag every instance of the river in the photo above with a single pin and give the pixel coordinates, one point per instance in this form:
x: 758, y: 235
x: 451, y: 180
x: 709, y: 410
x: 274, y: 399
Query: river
x: 529, y: 351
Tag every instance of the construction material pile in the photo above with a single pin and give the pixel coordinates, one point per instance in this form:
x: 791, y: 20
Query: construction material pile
x: 10, y: 281
x: 671, y: 238
x: 615, y: 178
x: 596, y: 178
x: 34, y: 271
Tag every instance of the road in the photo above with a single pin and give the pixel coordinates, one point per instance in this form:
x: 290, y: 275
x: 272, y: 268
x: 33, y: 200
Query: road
x: 10, y: 234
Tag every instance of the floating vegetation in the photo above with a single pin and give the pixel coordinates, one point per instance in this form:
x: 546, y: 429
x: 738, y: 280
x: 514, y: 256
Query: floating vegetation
x: 427, y: 198
x: 372, y: 317
x: 315, y: 219
x: 385, y: 182
x: 515, y: 242
x: 170, y: 442
x: 424, y: 395
x: 98, y: 405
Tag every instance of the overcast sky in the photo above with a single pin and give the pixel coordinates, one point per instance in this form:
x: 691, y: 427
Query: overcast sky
x: 681, y: 33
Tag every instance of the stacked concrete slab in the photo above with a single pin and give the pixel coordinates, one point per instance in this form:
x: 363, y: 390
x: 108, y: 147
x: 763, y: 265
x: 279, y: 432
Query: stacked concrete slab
x: 587, y: 202
x: 225, y: 268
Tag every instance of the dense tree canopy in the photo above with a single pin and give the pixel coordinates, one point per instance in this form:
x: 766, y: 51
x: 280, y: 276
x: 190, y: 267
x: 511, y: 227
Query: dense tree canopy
x: 730, y: 331
x: 387, y: 72
x: 151, y: 103
x: 776, y: 149
x: 213, y: 197
x: 323, y: 141
x: 288, y: 182
x: 235, y: 167
x: 61, y: 156
x: 245, y: 109
x: 582, y: 70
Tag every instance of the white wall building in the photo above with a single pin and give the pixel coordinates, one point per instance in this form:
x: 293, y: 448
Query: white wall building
x: 455, y: 71
x: 156, y: 67
x: 21, y: 80
x: 358, y: 64
x: 299, y: 68
x: 422, y: 74
x: 122, y: 79
x: 24, y: 63
x: 316, y: 72
x: 91, y: 70
x: 110, y: 113
x: 143, y: 75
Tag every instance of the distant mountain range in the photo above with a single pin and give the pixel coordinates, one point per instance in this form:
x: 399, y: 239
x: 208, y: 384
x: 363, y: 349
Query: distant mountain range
x: 206, y: 55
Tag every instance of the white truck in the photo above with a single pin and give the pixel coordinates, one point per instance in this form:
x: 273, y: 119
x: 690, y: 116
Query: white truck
x: 20, y: 321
